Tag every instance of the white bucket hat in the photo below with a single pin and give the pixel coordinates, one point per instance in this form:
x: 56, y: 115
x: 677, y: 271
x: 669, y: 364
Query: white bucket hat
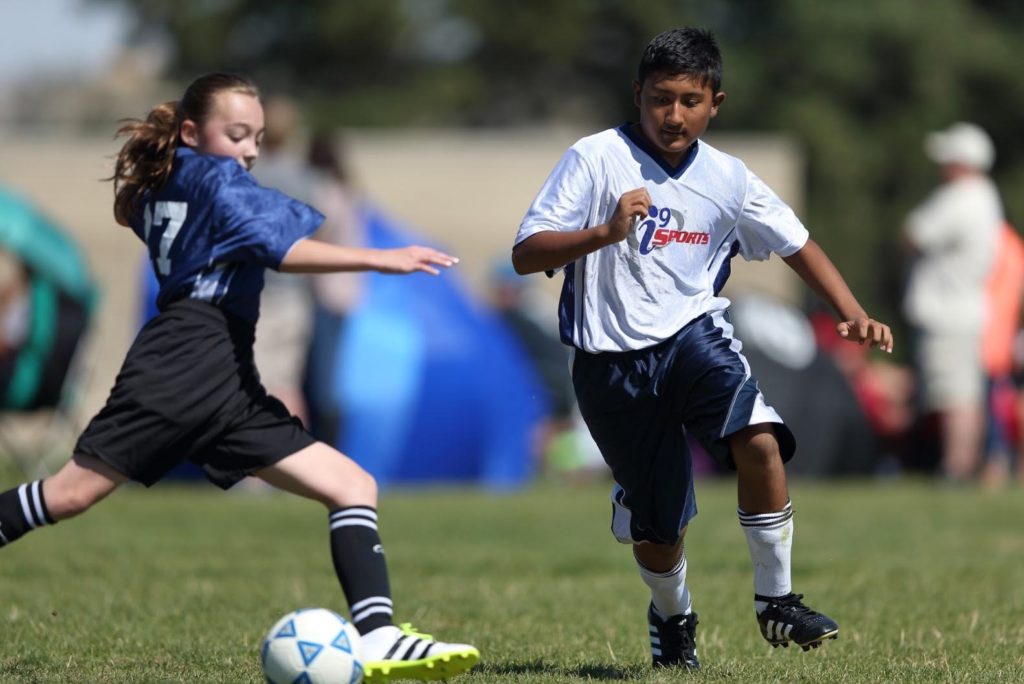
x: 961, y: 143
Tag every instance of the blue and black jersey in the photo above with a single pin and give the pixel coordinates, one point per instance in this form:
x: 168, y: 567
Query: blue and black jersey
x: 211, y: 230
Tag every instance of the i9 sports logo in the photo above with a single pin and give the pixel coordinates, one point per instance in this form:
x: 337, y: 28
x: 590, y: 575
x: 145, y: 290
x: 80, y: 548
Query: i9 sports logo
x: 655, y: 233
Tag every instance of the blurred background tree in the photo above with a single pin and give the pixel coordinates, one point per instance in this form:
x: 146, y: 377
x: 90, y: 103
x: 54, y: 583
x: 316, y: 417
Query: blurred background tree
x: 858, y: 84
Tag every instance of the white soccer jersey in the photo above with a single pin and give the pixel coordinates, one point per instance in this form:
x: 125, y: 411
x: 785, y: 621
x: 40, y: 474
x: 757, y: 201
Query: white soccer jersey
x: 641, y: 291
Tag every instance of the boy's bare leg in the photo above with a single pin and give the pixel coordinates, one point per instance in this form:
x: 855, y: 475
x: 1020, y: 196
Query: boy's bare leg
x: 761, y: 476
x: 659, y: 557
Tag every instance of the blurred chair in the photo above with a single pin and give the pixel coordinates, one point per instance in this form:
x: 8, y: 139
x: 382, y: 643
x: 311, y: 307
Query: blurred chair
x: 47, y: 301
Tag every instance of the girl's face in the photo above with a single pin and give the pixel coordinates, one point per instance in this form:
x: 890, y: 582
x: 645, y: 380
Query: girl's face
x: 233, y: 129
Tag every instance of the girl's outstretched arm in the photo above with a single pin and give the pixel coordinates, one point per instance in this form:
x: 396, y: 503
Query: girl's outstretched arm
x: 314, y: 256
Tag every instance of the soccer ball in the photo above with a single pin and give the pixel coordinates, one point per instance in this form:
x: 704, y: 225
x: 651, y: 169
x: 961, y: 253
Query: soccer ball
x: 312, y: 646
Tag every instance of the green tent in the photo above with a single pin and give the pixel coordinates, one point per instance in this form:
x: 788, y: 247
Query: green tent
x: 59, y: 286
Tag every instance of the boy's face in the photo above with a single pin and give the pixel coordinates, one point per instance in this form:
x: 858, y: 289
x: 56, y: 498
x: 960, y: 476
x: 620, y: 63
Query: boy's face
x: 234, y: 128
x: 675, y: 110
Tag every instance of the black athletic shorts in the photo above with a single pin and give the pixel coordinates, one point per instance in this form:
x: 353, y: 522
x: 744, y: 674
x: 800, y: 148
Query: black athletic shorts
x: 189, y: 389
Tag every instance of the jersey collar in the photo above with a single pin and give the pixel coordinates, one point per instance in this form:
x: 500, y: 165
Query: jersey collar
x: 626, y: 130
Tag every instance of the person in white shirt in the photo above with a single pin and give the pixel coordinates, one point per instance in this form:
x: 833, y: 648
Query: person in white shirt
x: 953, y: 236
x: 644, y: 219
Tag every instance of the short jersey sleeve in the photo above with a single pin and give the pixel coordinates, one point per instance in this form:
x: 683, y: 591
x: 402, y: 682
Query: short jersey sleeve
x: 564, y: 201
x: 257, y: 224
x: 767, y: 224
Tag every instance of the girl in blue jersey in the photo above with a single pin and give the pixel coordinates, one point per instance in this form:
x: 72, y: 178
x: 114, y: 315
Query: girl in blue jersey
x: 188, y: 388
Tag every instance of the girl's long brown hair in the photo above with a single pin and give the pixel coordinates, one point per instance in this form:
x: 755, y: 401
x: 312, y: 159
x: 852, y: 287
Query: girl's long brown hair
x: 145, y: 161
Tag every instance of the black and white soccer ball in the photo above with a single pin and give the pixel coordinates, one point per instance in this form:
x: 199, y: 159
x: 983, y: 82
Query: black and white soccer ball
x: 312, y: 646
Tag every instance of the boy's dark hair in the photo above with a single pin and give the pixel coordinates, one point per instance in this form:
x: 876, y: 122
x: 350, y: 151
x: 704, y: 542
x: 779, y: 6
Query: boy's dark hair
x: 688, y: 51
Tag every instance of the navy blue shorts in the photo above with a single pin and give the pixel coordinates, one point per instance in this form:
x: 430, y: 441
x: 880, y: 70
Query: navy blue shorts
x: 640, y: 405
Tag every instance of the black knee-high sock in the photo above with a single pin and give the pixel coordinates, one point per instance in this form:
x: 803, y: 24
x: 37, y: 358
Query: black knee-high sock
x: 22, y: 509
x: 359, y: 561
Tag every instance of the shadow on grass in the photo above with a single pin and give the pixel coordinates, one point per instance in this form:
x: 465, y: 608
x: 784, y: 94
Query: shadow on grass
x: 539, y: 667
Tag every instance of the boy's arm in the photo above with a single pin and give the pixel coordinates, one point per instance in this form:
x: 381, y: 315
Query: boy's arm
x: 551, y: 249
x: 817, y: 270
x: 314, y: 256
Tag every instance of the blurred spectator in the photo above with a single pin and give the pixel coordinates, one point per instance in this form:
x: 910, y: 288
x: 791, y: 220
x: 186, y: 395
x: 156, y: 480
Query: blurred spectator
x: 549, y: 355
x: 953, y: 238
x: 884, y: 390
x: 14, y: 312
x: 1002, y: 324
x: 338, y: 293
x: 285, y: 323
x: 335, y: 295
x: 1018, y: 378
x: 565, y: 446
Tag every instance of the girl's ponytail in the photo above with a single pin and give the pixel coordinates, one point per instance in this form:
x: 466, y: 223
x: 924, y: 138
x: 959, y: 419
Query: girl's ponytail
x: 145, y: 160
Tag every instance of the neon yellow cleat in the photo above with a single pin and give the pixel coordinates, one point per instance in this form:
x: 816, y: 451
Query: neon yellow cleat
x: 412, y: 655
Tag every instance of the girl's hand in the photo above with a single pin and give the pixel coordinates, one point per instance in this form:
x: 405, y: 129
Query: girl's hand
x: 414, y: 258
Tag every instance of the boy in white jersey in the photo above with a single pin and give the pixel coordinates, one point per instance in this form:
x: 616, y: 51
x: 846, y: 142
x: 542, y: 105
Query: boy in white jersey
x: 644, y: 219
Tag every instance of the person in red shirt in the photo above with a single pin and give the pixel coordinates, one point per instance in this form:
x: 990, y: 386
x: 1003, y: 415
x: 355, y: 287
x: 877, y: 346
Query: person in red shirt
x: 1004, y: 294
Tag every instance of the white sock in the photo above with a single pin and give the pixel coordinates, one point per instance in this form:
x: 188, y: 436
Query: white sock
x: 770, y: 540
x: 668, y: 589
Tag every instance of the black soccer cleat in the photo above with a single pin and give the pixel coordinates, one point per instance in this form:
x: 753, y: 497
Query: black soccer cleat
x: 787, y: 619
x: 673, y: 641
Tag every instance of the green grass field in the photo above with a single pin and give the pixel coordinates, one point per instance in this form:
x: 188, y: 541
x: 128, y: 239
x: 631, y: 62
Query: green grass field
x: 179, y: 584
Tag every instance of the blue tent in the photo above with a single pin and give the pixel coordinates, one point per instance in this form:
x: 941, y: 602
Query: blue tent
x: 432, y: 386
